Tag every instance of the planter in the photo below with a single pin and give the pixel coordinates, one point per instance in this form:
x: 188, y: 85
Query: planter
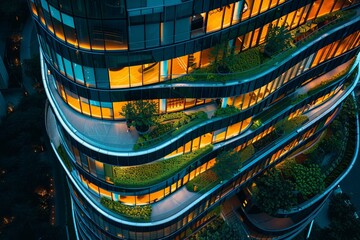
x: 142, y: 130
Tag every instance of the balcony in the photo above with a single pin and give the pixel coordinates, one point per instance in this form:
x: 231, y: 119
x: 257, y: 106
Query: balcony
x: 252, y: 63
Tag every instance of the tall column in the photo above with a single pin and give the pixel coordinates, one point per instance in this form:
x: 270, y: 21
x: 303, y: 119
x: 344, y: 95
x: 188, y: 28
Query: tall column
x: 224, y: 102
x: 164, y: 69
x: 237, y: 10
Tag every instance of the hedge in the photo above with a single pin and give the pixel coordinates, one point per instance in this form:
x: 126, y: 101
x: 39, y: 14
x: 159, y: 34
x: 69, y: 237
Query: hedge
x: 136, y: 212
x: 153, y: 173
x: 203, y: 182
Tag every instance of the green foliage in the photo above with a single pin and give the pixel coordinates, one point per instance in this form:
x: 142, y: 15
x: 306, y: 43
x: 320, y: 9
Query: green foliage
x: 308, y: 180
x: 265, y: 141
x: 247, y: 152
x: 272, y: 192
x: 136, y: 212
x: 245, y: 60
x: 286, y: 126
x: 169, y: 125
x: 256, y: 124
x: 64, y: 157
x: 278, y: 39
x: 152, y: 173
x: 217, y: 229
x: 227, y: 163
x: 203, y: 182
x: 229, y: 110
x: 343, y: 224
x: 140, y: 114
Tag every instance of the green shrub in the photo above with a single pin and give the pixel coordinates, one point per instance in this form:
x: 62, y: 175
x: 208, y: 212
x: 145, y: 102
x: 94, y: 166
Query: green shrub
x: 203, y: 182
x: 256, y: 124
x: 246, y: 60
x: 169, y: 124
x: 136, y: 212
x: 273, y: 192
x: 227, y: 163
x: 229, y: 110
x: 153, y: 173
x: 308, y: 180
x: 247, y: 152
x: 286, y: 126
x: 217, y: 229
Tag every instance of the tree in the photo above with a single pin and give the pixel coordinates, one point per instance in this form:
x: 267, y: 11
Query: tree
x: 226, y: 164
x: 272, y: 192
x: 343, y: 225
x: 308, y: 180
x: 278, y: 39
x: 140, y: 114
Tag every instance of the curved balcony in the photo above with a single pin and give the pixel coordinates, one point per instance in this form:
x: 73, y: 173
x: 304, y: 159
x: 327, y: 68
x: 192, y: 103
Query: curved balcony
x: 90, y: 131
x: 314, y: 117
x: 285, y: 223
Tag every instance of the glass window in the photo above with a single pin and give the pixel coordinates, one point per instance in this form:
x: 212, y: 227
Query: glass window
x: 68, y: 68
x: 60, y: 64
x: 68, y: 20
x: 89, y: 77
x: 78, y: 73
x: 55, y: 13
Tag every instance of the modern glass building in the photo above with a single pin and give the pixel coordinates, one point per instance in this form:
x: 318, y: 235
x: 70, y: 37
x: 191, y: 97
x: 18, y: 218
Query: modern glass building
x: 216, y: 90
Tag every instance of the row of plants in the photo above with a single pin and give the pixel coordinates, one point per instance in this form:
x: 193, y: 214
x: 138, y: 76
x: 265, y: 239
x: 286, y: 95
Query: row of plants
x: 227, y: 164
x: 169, y: 125
x: 134, y: 212
x: 321, y: 86
x: 227, y: 111
x: 203, y: 182
x: 286, y: 126
x: 153, y: 173
x: 229, y: 66
x: 216, y: 229
x: 346, y: 119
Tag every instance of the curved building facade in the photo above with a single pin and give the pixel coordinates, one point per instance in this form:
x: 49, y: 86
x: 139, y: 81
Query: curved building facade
x: 98, y: 56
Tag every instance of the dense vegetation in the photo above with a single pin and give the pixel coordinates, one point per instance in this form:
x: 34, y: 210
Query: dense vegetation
x: 135, y: 212
x: 152, y: 173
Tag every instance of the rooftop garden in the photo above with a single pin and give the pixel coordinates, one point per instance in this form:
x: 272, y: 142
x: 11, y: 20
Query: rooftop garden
x: 133, y: 212
x: 280, y: 44
x: 153, y: 173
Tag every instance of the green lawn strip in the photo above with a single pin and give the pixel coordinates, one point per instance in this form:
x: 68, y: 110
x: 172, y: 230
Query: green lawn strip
x: 153, y: 173
x: 169, y: 125
x: 134, y: 212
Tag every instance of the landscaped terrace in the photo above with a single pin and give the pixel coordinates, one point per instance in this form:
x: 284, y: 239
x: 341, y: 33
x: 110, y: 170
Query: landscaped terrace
x: 253, y: 61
